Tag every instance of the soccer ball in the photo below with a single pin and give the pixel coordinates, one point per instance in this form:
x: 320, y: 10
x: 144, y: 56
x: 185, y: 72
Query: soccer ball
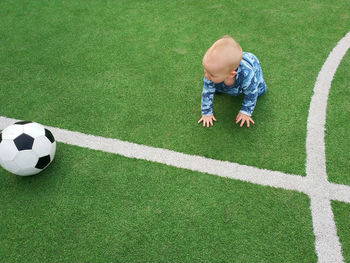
x: 26, y: 148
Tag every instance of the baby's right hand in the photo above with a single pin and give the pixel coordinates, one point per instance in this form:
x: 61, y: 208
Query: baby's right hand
x: 207, y: 120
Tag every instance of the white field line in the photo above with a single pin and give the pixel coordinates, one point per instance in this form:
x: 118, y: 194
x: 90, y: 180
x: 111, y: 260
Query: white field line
x: 328, y: 247
x: 197, y: 163
x: 315, y: 146
x: 315, y: 184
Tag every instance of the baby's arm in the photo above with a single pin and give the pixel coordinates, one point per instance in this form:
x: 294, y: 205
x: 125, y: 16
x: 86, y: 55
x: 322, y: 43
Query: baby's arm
x: 250, y: 97
x: 207, y: 103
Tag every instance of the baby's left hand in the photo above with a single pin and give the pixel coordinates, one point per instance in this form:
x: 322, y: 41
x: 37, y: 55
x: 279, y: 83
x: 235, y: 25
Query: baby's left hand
x: 244, y: 118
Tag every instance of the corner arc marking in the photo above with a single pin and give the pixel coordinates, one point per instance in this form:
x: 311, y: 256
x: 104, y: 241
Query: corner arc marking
x: 327, y: 244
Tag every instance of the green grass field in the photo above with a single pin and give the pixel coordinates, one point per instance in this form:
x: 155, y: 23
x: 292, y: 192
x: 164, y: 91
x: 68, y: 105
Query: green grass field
x: 97, y: 207
x: 132, y: 70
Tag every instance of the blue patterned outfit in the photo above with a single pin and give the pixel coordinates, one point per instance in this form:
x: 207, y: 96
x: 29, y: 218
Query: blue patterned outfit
x: 249, y: 81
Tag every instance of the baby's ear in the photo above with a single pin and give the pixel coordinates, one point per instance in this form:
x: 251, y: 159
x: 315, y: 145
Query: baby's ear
x: 233, y: 74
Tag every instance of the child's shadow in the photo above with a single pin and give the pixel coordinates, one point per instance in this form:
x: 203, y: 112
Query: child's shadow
x: 226, y: 108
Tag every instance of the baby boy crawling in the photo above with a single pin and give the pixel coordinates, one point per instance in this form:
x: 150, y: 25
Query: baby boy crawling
x: 229, y: 70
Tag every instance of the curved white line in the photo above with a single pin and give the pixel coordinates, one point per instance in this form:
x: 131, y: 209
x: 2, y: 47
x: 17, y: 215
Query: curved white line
x: 328, y: 247
x: 315, y: 146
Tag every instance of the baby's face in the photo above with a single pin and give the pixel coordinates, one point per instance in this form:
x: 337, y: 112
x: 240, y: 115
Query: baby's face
x: 214, y: 72
x: 215, y: 77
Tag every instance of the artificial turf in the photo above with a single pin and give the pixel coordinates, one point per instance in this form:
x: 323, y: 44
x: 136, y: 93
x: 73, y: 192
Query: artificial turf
x: 133, y: 71
x: 91, y: 206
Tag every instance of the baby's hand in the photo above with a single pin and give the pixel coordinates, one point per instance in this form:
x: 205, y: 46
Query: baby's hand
x: 207, y: 120
x: 244, y: 118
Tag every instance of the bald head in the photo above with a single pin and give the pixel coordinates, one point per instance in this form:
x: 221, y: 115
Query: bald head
x: 224, y: 55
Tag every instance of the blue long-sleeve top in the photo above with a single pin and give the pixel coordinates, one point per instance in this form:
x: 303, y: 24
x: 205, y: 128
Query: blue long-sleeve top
x: 249, y: 81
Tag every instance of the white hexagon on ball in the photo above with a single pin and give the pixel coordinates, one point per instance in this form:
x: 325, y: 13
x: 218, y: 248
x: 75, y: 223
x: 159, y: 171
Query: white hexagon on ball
x: 34, y: 129
x: 12, y: 132
x: 26, y: 148
x: 42, y: 146
x: 11, y: 166
x: 26, y: 159
x: 8, y: 150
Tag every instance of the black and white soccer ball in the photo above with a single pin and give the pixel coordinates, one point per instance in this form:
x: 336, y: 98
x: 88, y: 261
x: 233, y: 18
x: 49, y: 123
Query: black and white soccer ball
x: 26, y: 148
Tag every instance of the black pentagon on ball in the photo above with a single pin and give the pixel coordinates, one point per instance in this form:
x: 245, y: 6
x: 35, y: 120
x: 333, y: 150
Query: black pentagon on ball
x: 49, y: 135
x: 24, y: 142
x: 22, y: 122
x: 43, y: 162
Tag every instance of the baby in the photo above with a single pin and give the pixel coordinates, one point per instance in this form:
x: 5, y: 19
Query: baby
x: 229, y: 70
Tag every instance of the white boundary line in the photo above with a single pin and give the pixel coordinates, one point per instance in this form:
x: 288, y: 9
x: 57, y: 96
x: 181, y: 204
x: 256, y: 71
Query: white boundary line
x: 315, y: 184
x: 327, y: 243
x: 197, y: 163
